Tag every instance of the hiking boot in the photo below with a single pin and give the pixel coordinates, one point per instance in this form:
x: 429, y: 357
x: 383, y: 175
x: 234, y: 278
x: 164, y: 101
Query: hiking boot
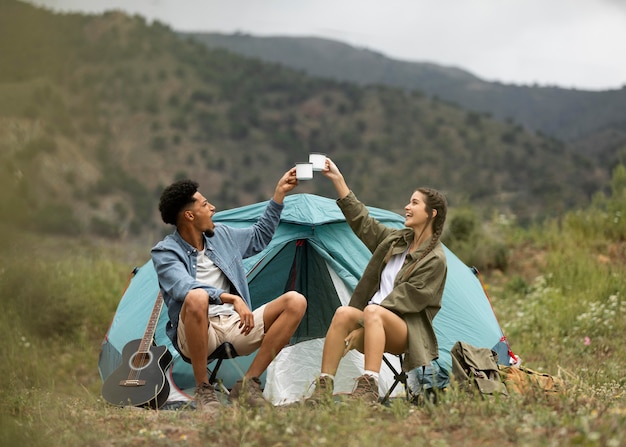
x: 323, y: 392
x: 365, y: 389
x: 206, y: 399
x: 247, y: 391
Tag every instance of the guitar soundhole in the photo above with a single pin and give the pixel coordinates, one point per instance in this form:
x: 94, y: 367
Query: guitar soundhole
x: 140, y: 360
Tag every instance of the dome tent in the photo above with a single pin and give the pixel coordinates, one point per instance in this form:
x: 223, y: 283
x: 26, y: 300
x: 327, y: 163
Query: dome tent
x: 315, y: 252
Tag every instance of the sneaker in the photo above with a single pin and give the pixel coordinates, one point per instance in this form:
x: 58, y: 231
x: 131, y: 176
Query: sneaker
x: 248, y: 391
x: 322, y: 393
x: 365, y: 389
x: 206, y: 399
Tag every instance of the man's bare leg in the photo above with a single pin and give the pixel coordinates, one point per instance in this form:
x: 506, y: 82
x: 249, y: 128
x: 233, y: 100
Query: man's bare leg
x: 194, y: 315
x: 281, y: 319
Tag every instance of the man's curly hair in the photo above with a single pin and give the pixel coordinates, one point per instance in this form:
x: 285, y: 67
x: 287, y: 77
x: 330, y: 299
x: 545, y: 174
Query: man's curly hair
x: 176, y: 197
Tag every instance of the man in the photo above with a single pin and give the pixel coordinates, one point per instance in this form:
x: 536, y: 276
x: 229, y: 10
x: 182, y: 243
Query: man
x: 204, y: 286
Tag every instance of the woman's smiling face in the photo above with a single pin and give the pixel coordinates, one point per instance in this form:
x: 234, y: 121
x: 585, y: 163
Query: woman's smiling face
x: 416, y: 212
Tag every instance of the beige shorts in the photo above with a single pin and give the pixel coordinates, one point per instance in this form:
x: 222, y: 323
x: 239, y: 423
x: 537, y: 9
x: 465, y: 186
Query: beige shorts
x: 226, y: 328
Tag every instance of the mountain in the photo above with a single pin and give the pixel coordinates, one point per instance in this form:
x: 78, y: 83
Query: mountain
x: 98, y: 113
x: 593, y: 123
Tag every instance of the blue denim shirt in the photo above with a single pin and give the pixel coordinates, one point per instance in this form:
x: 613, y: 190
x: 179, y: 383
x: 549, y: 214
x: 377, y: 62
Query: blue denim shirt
x: 175, y: 261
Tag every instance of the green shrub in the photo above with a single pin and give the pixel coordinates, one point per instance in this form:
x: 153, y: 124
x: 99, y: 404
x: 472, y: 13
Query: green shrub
x: 104, y: 228
x: 467, y: 236
x: 57, y: 219
x: 574, y: 308
x: 46, y: 145
x: 57, y: 306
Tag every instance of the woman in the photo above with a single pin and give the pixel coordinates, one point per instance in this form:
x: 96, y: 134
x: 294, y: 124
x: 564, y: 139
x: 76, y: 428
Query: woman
x: 399, y: 294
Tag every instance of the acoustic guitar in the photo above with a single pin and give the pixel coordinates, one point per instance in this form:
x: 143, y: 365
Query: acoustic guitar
x: 140, y: 380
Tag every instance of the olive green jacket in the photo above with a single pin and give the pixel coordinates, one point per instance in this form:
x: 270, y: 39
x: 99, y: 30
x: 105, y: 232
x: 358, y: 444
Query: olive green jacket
x: 417, y: 298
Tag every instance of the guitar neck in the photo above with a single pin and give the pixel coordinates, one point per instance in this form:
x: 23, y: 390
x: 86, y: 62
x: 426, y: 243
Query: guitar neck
x: 146, y: 341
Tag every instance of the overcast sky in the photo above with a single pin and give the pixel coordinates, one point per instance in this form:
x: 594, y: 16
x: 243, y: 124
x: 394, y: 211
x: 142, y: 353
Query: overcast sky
x: 569, y: 43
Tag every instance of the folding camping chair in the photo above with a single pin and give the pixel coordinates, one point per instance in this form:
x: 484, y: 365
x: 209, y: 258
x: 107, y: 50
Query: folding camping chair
x: 398, y: 378
x: 224, y: 351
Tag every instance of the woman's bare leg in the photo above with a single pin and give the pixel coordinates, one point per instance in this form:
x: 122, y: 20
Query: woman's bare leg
x: 384, y: 332
x: 345, y: 320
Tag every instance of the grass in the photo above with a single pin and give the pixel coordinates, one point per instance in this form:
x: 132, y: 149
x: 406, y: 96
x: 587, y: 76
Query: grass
x: 81, y: 418
x: 561, y: 302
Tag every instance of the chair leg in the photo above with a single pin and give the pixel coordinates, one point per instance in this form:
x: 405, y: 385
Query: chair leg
x: 219, y: 386
x: 213, y: 376
x: 227, y: 352
x: 398, y: 377
x: 213, y: 380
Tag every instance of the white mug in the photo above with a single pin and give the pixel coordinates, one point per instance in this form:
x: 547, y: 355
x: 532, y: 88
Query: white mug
x: 304, y: 171
x: 318, y: 160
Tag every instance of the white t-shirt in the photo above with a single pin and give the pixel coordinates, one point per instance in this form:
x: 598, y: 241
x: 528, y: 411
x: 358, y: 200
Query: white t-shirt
x: 387, y: 277
x: 208, y: 273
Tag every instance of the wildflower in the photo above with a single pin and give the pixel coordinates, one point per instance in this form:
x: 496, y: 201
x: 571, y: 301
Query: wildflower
x: 587, y: 341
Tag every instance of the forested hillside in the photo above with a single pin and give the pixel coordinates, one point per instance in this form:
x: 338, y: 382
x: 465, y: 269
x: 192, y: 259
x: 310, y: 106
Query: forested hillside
x: 592, y: 122
x: 98, y: 113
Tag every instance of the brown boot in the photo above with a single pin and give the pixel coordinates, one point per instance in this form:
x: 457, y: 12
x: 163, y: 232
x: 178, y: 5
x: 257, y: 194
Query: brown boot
x: 247, y: 391
x: 365, y: 389
x: 206, y: 399
x: 322, y: 393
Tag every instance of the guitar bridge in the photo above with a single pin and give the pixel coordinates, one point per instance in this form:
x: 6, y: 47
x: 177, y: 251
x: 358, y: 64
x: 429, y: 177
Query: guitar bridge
x: 132, y: 382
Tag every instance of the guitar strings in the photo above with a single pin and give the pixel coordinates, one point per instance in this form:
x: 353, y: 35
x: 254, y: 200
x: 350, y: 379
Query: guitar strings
x: 142, y: 357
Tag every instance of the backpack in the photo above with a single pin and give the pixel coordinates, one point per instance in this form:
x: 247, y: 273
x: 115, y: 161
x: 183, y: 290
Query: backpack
x: 521, y: 380
x: 476, y: 370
